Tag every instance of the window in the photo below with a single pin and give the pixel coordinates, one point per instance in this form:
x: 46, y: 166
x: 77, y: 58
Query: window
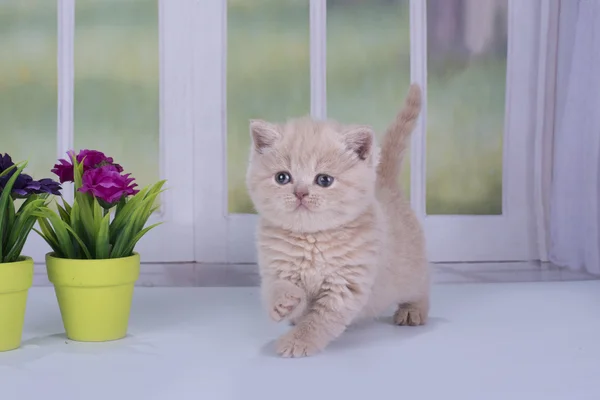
x: 468, y: 162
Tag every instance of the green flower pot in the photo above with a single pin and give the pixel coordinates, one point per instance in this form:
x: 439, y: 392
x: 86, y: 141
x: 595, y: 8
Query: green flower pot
x: 94, y: 296
x: 15, y: 280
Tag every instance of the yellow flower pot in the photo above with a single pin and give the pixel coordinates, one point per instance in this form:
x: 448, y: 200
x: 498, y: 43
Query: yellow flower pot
x: 94, y: 296
x: 15, y: 280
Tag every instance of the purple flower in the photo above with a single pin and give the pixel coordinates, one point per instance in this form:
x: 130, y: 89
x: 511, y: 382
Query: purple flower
x: 5, y: 162
x: 64, y: 170
x: 91, y: 159
x: 107, y: 184
x: 24, y: 184
x: 49, y: 186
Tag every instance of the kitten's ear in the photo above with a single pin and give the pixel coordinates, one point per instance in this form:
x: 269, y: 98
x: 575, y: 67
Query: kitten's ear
x: 264, y: 134
x: 360, y: 140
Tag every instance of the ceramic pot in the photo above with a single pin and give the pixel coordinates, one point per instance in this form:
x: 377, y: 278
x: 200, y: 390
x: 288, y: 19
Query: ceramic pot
x: 15, y: 280
x: 94, y: 296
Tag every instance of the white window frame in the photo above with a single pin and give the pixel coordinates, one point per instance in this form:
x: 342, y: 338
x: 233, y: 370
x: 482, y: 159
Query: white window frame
x: 173, y: 241
x: 512, y: 236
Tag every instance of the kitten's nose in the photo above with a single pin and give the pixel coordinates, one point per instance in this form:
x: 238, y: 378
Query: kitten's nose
x: 300, y: 193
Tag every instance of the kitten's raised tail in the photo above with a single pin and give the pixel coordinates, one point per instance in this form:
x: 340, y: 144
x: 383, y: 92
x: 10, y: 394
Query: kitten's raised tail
x: 396, y: 137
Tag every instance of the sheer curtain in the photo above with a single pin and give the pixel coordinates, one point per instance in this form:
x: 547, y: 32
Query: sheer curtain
x: 575, y: 198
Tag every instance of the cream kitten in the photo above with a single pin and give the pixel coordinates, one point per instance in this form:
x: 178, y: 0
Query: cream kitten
x: 337, y: 241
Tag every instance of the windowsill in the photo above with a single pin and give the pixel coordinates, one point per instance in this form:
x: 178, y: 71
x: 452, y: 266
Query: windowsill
x: 232, y: 275
x: 482, y: 341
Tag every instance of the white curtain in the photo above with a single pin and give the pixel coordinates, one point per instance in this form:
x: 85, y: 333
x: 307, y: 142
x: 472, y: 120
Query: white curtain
x: 575, y: 198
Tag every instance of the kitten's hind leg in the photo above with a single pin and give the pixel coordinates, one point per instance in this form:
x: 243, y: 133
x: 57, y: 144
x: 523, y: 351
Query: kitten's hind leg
x: 412, y: 313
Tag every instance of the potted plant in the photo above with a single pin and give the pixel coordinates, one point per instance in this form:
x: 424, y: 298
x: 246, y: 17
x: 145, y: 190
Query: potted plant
x: 93, y: 266
x: 16, y: 222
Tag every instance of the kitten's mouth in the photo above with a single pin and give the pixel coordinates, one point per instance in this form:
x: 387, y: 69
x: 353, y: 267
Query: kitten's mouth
x: 300, y: 205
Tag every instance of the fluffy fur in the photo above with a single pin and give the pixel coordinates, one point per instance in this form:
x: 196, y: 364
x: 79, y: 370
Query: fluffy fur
x: 329, y: 256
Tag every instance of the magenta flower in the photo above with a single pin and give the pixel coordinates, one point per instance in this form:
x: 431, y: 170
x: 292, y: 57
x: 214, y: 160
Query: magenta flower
x: 95, y: 159
x: 64, y: 170
x: 91, y: 159
x: 107, y: 184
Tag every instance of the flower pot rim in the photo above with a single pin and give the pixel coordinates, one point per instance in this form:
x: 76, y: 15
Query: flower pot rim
x: 22, y: 259
x: 93, y: 273
x: 16, y: 276
x: 90, y: 260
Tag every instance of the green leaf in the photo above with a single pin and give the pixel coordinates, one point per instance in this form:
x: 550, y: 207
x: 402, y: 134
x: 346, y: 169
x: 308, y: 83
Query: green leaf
x: 86, y: 213
x: 64, y: 214
x: 77, y: 225
x: 82, y: 245
x: 5, y: 198
x: 32, y: 198
x: 132, y: 218
x: 53, y: 245
x: 124, y: 238
x: 11, y: 215
x: 121, y: 204
x: 49, y: 236
x: 77, y: 172
x: 15, y: 248
x: 129, y: 249
x: 46, y: 228
x: 98, y: 214
x: 8, y: 226
x: 102, y: 239
x: 125, y: 214
x: 64, y: 233
x: 66, y: 206
x: 86, y: 219
x: 61, y: 232
x: 23, y: 223
x: 85, y: 202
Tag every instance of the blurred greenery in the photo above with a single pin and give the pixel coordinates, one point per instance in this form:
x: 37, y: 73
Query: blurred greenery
x: 117, y: 80
x: 28, y: 83
x: 116, y: 106
x: 368, y: 72
x: 117, y: 83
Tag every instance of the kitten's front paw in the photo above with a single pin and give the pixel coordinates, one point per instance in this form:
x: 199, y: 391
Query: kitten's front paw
x: 290, y: 345
x: 284, y: 305
x: 410, y: 314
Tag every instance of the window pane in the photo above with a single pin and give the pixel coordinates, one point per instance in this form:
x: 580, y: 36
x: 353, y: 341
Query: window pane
x: 467, y: 44
x: 368, y: 63
x: 28, y: 83
x: 268, y: 76
x: 117, y: 83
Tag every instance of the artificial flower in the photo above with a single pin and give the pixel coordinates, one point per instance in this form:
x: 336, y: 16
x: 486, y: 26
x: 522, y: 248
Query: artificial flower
x: 5, y: 162
x: 98, y: 182
x: 24, y: 185
x: 64, y: 170
x: 91, y: 159
x: 107, y: 184
x: 49, y: 186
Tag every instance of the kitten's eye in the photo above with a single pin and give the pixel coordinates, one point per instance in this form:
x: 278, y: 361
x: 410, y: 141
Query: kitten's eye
x: 283, y: 178
x: 324, y: 180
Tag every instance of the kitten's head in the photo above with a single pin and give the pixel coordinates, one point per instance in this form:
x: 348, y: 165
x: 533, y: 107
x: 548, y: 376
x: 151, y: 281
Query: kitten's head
x: 308, y: 175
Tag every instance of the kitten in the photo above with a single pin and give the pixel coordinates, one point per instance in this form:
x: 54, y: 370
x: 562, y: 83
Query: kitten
x: 337, y: 241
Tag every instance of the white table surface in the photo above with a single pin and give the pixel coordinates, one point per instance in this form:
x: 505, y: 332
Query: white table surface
x: 484, y: 342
